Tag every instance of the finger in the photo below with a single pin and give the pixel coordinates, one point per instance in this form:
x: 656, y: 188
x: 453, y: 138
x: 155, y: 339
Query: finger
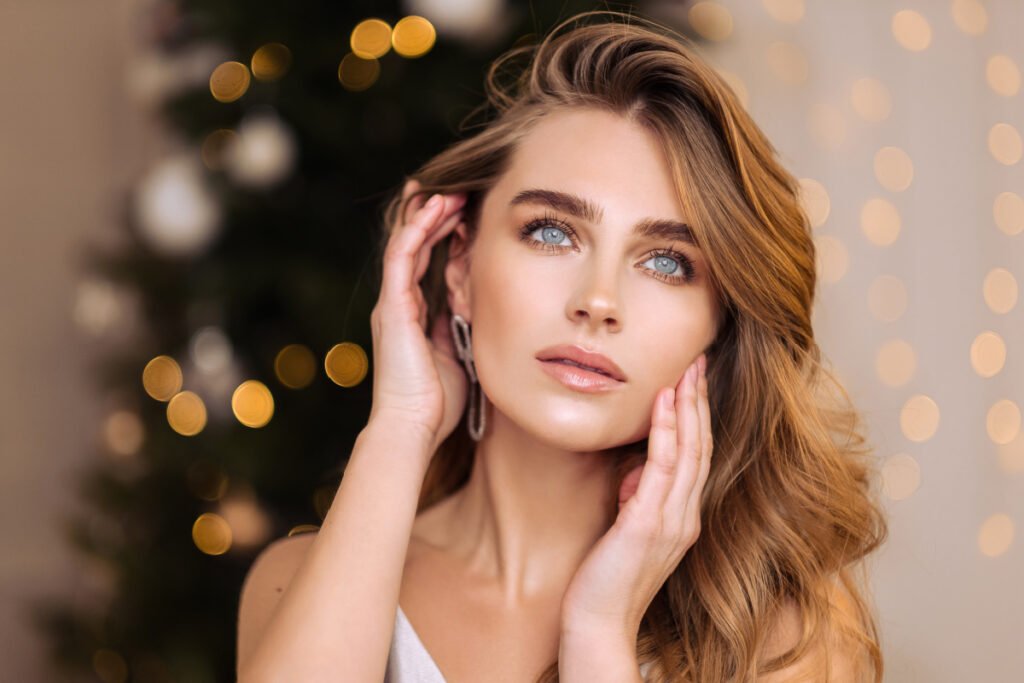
x: 688, y: 444
x: 704, y: 410
x: 400, y: 252
x: 438, y: 232
x: 660, y: 468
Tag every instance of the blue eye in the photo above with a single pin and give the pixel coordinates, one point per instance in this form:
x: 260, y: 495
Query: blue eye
x: 668, y: 261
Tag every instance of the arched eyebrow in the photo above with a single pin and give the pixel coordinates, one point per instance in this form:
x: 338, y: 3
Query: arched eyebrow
x: 584, y: 209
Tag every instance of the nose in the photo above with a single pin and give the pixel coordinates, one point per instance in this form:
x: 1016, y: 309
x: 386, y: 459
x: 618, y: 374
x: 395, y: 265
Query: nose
x: 596, y: 300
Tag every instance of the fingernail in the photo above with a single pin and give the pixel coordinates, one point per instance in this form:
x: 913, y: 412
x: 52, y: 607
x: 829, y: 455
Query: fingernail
x: 668, y: 399
x: 433, y: 201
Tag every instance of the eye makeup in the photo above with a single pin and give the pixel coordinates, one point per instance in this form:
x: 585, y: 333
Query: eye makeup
x: 549, y: 220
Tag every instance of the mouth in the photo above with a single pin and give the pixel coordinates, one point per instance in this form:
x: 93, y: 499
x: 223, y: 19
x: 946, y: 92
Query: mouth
x: 584, y: 360
x: 579, y: 378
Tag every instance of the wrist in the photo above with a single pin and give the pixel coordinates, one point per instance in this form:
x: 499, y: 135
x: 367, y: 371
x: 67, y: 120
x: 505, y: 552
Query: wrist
x: 396, y: 438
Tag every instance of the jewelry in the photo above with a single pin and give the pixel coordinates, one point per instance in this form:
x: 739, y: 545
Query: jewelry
x: 477, y: 400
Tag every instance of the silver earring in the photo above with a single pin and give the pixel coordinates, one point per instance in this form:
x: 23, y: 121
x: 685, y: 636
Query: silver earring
x: 464, y: 348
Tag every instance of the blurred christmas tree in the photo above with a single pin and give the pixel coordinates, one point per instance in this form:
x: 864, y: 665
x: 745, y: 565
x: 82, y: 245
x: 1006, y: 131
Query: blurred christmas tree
x: 248, y: 252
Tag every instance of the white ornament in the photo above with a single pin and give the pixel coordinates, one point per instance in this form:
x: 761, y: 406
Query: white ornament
x: 263, y: 152
x: 177, y: 213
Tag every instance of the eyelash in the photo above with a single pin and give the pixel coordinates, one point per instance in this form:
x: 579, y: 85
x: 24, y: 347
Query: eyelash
x: 549, y: 220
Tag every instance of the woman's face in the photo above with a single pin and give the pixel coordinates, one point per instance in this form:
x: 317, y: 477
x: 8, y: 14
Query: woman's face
x: 543, y: 273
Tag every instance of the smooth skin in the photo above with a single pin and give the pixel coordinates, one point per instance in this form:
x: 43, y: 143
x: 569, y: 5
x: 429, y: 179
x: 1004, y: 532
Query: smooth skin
x: 520, y: 565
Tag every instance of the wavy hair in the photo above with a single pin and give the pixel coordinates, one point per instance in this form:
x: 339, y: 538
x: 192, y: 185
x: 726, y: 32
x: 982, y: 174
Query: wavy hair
x: 788, y: 510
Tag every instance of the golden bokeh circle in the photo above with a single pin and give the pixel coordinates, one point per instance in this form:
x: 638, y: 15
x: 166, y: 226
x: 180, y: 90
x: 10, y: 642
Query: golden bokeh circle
x: 346, y: 364
x: 356, y: 73
x: 1004, y: 144
x: 710, y: 20
x: 1008, y: 212
x: 893, y: 169
x: 186, y: 413
x: 1002, y: 75
x: 295, y: 366
x: 162, y: 378
x: 988, y: 354
x: 371, y: 38
x: 271, y: 61
x: 211, y: 534
x: 1002, y: 421
x: 895, y: 362
x: 880, y: 221
x: 414, y: 36
x: 785, y: 11
x: 871, y: 99
x: 901, y: 476
x: 919, y: 418
x: 995, y: 535
x: 1000, y: 290
x: 969, y: 16
x: 252, y: 403
x: 229, y: 81
x: 887, y: 298
x: 911, y: 30
x: 832, y: 258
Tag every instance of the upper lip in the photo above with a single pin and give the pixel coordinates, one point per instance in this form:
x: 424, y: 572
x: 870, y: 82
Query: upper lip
x: 578, y: 354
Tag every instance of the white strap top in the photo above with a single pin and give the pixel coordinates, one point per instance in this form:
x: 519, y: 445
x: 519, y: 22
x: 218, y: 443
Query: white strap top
x: 409, y: 661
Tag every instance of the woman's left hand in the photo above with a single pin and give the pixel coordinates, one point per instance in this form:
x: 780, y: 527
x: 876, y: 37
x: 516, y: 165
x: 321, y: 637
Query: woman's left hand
x: 658, y: 518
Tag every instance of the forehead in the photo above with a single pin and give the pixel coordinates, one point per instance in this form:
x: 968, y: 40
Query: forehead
x: 598, y: 155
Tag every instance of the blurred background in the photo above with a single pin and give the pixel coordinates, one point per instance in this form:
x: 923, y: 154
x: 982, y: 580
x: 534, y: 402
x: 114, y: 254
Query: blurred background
x: 190, y: 194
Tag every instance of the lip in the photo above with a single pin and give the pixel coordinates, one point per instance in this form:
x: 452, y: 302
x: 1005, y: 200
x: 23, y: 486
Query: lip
x: 580, y: 355
x: 579, y: 379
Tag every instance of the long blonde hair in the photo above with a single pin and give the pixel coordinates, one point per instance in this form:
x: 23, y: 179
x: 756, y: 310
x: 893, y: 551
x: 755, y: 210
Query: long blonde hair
x: 788, y: 508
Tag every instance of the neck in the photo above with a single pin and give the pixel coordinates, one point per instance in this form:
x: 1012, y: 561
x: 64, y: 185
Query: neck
x: 529, y: 513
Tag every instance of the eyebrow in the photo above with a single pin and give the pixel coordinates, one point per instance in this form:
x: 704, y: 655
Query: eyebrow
x: 584, y: 209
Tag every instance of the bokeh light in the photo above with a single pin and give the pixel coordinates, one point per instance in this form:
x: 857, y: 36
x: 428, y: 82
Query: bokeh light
x: 295, y: 366
x: 919, y: 418
x: 413, y: 37
x: 252, y: 403
x: 162, y: 378
x: 996, y: 535
x: 229, y: 81
x: 186, y: 413
x: 211, y: 534
x: 346, y: 364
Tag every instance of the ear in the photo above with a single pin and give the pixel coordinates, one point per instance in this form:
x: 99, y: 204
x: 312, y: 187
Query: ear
x: 456, y: 272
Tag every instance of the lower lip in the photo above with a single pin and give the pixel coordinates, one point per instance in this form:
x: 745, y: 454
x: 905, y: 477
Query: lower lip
x: 578, y: 378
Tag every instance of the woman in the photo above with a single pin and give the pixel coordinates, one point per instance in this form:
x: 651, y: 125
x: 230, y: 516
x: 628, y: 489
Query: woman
x: 650, y: 481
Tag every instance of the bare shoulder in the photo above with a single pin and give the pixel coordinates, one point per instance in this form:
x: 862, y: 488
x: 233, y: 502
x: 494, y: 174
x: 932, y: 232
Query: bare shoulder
x: 263, y: 586
x: 846, y: 654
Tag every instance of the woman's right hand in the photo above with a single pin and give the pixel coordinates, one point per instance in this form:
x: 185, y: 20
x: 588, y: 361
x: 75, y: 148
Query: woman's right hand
x: 418, y: 383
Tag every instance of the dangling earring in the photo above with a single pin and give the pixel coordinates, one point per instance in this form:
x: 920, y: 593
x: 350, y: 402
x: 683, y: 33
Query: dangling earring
x: 477, y: 400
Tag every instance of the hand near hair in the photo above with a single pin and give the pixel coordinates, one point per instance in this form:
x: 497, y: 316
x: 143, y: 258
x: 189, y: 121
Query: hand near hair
x: 419, y: 383
x: 657, y: 522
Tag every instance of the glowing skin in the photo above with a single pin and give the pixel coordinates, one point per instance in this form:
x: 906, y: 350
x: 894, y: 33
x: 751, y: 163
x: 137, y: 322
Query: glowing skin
x: 534, y: 504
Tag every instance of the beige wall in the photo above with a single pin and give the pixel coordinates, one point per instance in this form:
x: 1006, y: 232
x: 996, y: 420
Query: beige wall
x: 71, y: 139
